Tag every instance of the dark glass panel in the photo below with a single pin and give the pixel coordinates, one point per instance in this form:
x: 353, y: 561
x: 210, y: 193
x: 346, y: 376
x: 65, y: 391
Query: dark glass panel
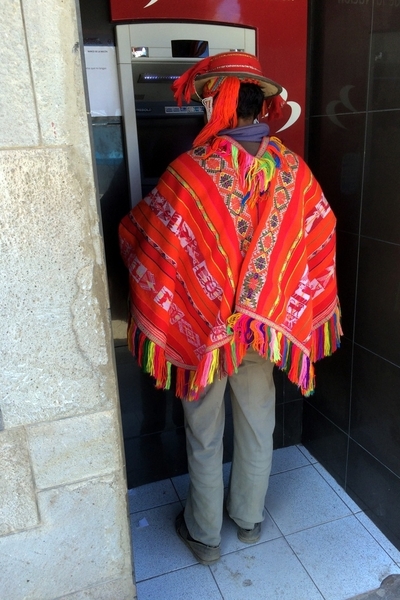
x: 385, y: 56
x: 375, y: 414
x: 378, y: 299
x: 332, y: 390
x: 326, y: 442
x: 339, y: 56
x: 381, y: 205
x: 335, y: 155
x: 346, y: 260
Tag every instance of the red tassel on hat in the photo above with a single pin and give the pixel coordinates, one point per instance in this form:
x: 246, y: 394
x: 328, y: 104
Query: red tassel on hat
x: 272, y: 108
x: 183, y: 87
x: 224, y: 111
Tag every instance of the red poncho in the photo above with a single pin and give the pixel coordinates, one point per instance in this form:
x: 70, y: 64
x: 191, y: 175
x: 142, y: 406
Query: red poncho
x: 198, y: 300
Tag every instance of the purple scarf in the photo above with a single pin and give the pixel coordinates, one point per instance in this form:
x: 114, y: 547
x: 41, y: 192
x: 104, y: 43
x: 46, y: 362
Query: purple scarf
x: 249, y: 133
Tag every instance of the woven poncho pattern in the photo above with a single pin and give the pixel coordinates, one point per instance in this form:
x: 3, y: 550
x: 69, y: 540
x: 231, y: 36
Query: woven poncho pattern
x: 206, y: 283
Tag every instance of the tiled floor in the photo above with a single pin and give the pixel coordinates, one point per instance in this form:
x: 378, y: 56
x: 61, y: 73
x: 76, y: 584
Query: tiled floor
x: 316, y: 543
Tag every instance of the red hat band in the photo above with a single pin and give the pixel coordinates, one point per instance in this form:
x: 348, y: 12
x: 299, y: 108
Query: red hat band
x: 240, y: 65
x: 231, y: 62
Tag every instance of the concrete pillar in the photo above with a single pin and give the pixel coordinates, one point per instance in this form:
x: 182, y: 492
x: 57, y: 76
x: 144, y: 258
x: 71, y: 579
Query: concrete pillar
x: 64, y: 527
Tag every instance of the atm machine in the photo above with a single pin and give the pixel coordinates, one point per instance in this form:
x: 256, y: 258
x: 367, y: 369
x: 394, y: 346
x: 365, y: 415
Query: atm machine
x: 159, y: 39
x: 149, y: 58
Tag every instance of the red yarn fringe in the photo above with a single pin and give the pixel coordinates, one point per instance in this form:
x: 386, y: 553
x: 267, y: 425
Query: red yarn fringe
x: 183, y: 87
x: 224, y: 111
x: 272, y: 108
x: 245, y: 332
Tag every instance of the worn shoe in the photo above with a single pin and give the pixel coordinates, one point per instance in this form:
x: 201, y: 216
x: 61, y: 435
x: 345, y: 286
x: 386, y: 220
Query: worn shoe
x: 206, y: 555
x: 249, y: 536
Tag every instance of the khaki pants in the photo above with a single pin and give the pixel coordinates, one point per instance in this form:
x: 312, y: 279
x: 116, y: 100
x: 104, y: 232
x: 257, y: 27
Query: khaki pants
x: 253, y: 409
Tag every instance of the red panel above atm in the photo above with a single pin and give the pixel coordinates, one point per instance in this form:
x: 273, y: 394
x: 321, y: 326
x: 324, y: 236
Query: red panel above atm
x: 281, y: 41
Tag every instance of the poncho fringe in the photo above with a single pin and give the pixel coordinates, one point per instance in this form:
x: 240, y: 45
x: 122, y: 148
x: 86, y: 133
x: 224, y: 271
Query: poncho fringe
x: 245, y: 332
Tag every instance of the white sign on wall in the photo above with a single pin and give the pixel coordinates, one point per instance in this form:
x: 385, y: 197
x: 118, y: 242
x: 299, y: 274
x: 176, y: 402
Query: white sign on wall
x: 102, y: 78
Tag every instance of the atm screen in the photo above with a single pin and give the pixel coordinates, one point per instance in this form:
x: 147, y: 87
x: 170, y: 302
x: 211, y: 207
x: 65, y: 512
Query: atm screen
x: 189, y: 48
x: 161, y: 139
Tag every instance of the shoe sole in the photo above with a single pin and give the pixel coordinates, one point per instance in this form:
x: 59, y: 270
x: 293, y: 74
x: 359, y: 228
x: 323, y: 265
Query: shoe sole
x: 249, y: 537
x: 248, y: 540
x: 182, y: 532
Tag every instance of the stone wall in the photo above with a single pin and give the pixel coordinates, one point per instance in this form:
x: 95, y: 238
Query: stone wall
x: 64, y: 528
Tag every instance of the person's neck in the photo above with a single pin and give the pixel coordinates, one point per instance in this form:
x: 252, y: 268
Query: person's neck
x: 250, y: 147
x: 244, y: 122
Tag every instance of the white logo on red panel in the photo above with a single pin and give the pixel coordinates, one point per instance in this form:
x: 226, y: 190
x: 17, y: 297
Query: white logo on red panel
x: 295, y: 111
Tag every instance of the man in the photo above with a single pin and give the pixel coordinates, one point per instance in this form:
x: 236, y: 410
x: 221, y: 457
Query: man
x: 232, y: 270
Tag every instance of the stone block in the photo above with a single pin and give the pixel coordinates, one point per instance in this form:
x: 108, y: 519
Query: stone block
x: 83, y: 541
x: 18, y: 119
x: 74, y: 449
x: 52, y: 36
x: 18, y: 509
x: 55, y: 346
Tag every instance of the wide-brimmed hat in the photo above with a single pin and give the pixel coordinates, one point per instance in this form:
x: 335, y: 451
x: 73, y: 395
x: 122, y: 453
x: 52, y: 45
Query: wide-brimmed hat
x: 215, y: 81
x: 242, y: 65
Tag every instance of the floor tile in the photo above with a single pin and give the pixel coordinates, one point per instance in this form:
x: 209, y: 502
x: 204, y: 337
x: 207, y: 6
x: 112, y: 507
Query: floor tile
x: 379, y: 537
x: 151, y: 495
x: 337, y: 488
x: 285, y: 459
x: 342, y: 558
x: 192, y: 582
x: 264, y: 571
x: 302, y: 498
x: 332, y: 550
x: 156, y: 547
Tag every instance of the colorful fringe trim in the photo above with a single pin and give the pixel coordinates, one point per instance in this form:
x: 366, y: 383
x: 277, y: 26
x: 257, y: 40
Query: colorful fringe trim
x: 256, y: 173
x: 245, y: 332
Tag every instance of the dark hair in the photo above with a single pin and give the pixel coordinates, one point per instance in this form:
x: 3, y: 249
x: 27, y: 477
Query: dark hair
x: 250, y: 100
